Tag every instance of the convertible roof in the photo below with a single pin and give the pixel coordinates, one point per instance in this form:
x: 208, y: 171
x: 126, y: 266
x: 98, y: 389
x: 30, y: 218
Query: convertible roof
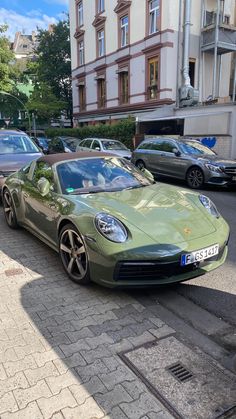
x: 55, y: 158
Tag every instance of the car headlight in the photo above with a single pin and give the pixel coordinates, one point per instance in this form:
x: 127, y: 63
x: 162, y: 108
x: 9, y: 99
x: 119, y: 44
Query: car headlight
x: 208, y: 204
x: 213, y: 168
x: 111, y: 228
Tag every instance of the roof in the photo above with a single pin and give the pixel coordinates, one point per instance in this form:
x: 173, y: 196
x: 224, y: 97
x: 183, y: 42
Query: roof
x: 56, y: 158
x: 11, y: 131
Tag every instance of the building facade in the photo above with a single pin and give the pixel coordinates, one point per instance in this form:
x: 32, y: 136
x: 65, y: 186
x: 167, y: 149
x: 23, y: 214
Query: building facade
x: 165, y: 62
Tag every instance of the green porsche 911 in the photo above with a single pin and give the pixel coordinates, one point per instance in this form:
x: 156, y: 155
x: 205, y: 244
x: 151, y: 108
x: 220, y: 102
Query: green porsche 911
x: 112, y: 224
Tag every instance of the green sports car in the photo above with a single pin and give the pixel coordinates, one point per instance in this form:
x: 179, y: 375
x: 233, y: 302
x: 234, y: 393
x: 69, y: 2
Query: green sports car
x: 112, y: 224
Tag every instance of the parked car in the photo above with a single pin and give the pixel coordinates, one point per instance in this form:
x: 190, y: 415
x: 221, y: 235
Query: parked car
x: 42, y: 143
x: 70, y: 142
x: 113, y: 225
x: 106, y: 146
x: 185, y: 159
x: 57, y: 145
x: 16, y: 150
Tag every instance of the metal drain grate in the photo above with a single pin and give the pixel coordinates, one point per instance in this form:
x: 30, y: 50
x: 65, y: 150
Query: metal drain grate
x: 180, y: 372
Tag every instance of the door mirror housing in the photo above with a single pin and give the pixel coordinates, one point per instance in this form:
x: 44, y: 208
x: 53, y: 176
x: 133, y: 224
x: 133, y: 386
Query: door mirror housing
x: 176, y: 152
x: 43, y: 185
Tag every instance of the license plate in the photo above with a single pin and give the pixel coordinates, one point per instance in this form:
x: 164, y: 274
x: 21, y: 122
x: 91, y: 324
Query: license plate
x: 199, y: 255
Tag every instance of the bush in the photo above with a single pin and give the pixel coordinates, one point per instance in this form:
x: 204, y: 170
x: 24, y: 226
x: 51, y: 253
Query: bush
x: 123, y: 131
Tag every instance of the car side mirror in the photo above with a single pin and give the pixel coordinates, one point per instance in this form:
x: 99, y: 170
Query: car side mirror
x: 176, y: 152
x: 148, y: 174
x: 43, y: 185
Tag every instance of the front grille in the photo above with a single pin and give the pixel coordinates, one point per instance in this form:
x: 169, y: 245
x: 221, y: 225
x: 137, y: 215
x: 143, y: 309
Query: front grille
x: 137, y: 271
x: 231, y: 171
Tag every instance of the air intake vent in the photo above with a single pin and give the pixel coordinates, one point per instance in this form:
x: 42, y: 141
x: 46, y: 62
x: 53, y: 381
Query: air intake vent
x: 180, y: 372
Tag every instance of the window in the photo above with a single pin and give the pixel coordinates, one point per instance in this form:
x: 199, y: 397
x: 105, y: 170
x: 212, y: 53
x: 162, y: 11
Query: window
x: 152, y: 78
x: 124, y: 31
x: 96, y: 145
x: 81, y: 52
x: 82, y: 102
x: 101, y: 43
x: 192, y: 71
x: 124, y: 87
x: 87, y: 143
x: 154, y: 13
x: 42, y: 169
x: 80, y: 14
x: 100, y: 6
x: 168, y: 146
x: 145, y: 146
x: 101, y: 84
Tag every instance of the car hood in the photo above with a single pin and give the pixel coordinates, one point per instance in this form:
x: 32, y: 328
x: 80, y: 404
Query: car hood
x: 220, y: 161
x: 14, y: 162
x: 166, y: 214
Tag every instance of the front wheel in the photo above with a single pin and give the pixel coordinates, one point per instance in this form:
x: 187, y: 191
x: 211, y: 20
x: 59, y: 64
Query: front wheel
x: 73, y: 254
x: 9, y: 210
x: 195, y: 177
x: 140, y: 164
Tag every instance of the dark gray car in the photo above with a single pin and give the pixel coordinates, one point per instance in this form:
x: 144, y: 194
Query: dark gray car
x: 185, y: 159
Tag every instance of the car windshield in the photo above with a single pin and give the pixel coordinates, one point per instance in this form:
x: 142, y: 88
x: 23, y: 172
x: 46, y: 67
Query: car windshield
x: 93, y: 175
x: 195, y: 147
x: 17, y: 144
x: 113, y: 145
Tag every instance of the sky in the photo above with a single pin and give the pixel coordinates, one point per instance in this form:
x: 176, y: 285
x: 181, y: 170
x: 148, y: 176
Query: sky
x: 27, y: 15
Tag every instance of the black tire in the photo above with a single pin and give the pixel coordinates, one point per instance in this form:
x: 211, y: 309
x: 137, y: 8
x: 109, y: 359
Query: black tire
x: 9, y: 210
x: 73, y: 254
x: 195, y: 177
x: 140, y: 164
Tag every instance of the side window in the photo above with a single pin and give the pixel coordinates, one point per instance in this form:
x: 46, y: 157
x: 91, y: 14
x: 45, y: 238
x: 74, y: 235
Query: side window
x: 87, y: 143
x: 168, y: 146
x: 145, y: 146
x: 42, y: 169
x: 96, y: 145
x: 157, y: 145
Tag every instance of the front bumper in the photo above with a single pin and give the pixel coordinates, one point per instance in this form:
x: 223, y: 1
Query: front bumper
x: 219, y: 179
x: 143, y: 267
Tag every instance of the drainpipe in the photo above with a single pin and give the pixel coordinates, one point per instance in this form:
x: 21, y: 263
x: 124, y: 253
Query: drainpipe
x: 178, y: 54
x: 186, y: 28
x: 215, y: 49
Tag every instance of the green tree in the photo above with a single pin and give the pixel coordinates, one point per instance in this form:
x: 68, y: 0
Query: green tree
x: 6, y: 59
x: 44, y: 103
x: 53, y: 66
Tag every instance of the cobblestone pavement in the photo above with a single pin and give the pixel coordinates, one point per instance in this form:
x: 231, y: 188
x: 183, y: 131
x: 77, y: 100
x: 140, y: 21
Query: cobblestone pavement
x: 59, y: 342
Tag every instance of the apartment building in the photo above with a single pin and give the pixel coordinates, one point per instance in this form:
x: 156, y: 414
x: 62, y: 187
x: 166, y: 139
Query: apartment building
x: 168, y: 63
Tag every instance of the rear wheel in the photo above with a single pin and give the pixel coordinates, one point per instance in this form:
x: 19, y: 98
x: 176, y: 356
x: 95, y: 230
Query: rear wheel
x: 195, y: 177
x: 9, y: 210
x: 140, y: 164
x: 73, y: 254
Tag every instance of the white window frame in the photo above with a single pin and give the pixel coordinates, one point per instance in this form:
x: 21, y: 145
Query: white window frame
x: 153, y: 16
x: 81, y: 52
x: 124, y: 31
x: 80, y: 13
x: 101, y: 6
x: 101, y: 43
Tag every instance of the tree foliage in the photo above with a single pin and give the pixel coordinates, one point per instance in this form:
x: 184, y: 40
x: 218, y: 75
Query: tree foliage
x: 44, y: 103
x: 53, y: 66
x: 6, y: 59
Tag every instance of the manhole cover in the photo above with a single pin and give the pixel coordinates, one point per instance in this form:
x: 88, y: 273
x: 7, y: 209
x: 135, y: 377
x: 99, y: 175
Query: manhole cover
x: 189, y: 385
x: 13, y: 272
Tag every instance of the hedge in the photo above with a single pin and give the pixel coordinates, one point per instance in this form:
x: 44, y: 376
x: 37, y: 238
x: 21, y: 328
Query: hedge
x: 123, y: 131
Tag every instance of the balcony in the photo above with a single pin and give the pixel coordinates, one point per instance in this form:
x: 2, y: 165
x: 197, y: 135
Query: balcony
x: 226, y: 34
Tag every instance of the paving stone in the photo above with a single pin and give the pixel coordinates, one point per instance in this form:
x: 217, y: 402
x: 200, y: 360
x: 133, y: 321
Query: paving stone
x: 3, y: 374
x: 88, y: 410
x: 65, y: 327
x: 12, y: 383
x: 116, y: 413
x: 7, y: 403
x: 112, y: 362
x: 42, y: 358
x: 100, y: 352
x: 13, y: 367
x: 30, y: 412
x: 103, y: 339
x: 129, y: 310
x: 74, y: 360
x: 94, y: 320
x: 56, y: 403
x: 112, y: 398
x: 37, y: 374
x: 73, y: 348
x: 57, y: 416
x: 111, y: 325
x: 111, y: 379
x: 56, y: 384
x: 160, y: 415
x: 134, y: 388
x: 81, y: 392
x: 96, y: 368
x: 139, y: 407
x: 23, y: 351
x: 23, y: 397
x: 162, y: 331
x: 142, y: 339
x: 121, y: 334
x: 140, y: 328
x: 80, y: 334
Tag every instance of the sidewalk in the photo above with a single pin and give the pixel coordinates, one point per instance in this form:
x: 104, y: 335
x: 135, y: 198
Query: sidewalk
x: 59, y: 342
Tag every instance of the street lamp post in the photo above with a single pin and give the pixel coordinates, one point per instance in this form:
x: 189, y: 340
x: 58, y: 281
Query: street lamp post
x: 22, y: 103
